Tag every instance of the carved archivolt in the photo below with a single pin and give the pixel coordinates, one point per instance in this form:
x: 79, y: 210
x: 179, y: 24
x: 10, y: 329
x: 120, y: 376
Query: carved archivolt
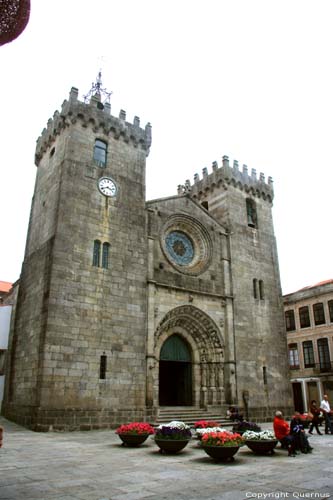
x: 197, y: 327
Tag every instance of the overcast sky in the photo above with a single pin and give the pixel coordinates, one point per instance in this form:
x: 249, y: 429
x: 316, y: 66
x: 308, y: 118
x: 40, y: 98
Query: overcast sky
x: 251, y: 79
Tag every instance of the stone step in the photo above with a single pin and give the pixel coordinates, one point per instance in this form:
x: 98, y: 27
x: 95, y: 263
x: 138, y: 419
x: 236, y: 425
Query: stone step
x: 190, y: 415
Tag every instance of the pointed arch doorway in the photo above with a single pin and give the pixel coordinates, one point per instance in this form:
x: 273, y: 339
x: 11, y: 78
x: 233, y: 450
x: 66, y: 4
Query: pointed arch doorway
x: 175, y: 373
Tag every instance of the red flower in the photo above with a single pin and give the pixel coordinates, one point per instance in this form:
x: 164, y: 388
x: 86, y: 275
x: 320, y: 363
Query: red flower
x: 135, y: 428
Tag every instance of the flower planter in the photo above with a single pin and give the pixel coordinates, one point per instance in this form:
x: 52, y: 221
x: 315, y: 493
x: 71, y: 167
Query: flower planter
x: 262, y: 446
x: 221, y: 453
x: 133, y: 439
x: 171, y: 445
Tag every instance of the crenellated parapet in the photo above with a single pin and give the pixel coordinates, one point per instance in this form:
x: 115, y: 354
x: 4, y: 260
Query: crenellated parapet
x: 224, y: 176
x: 96, y: 115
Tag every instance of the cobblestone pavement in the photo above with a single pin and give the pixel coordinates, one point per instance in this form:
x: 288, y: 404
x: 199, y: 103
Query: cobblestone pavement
x: 94, y: 466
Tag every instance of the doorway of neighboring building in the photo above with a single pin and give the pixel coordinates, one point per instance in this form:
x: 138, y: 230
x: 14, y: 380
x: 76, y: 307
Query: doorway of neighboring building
x: 175, y: 373
x: 298, y: 397
x: 313, y: 393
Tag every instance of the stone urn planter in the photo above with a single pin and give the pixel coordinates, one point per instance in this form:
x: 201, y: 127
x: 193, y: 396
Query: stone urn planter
x: 221, y: 445
x: 172, y: 437
x: 135, y: 433
x: 261, y: 447
x: 221, y: 453
x: 171, y: 445
x: 133, y: 439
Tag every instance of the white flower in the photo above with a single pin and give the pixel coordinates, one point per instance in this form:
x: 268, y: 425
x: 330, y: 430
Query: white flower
x: 175, y: 424
x: 201, y: 432
x: 249, y: 435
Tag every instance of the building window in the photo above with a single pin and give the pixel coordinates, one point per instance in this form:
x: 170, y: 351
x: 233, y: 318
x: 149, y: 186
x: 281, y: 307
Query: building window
x: 2, y: 361
x: 101, y: 254
x: 96, y: 253
x: 205, y: 204
x: 251, y: 212
x: 264, y: 374
x: 318, y: 313
x: 290, y: 320
x: 293, y: 357
x: 255, y: 288
x: 324, y: 355
x: 261, y: 290
x: 308, y: 354
x: 330, y: 309
x: 105, y: 255
x: 100, y: 151
x: 304, y: 317
x: 102, y: 367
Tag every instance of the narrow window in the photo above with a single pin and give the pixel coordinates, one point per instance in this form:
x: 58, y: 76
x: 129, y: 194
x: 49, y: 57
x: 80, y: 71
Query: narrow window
x: 318, y: 313
x: 100, y: 151
x: 2, y: 361
x: 324, y: 355
x: 264, y: 374
x: 261, y: 290
x: 205, y: 204
x: 96, y: 253
x: 308, y: 354
x: 293, y: 357
x: 330, y: 309
x: 251, y: 213
x: 102, y: 367
x: 105, y: 255
x: 304, y: 317
x: 255, y: 288
x: 290, y: 320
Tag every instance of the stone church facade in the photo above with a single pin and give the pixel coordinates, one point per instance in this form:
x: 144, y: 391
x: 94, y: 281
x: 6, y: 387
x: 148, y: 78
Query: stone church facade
x: 126, y: 306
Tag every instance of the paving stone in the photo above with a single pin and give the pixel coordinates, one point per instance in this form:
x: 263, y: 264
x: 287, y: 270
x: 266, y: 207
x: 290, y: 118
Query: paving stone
x: 94, y: 466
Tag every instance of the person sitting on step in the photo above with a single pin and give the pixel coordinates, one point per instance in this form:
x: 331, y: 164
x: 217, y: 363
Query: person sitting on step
x: 297, y: 430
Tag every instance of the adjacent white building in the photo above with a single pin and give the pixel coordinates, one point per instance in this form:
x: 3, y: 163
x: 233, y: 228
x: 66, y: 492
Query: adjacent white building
x: 309, y: 325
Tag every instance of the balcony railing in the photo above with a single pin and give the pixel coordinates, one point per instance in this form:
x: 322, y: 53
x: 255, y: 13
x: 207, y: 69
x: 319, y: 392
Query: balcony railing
x: 324, y: 367
x: 315, y: 368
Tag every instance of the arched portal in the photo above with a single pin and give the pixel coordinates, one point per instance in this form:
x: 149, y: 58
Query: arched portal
x: 190, y: 333
x: 175, y: 373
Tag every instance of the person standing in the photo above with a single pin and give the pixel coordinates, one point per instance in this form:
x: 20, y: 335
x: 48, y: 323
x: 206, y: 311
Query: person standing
x: 326, y: 409
x: 315, y: 417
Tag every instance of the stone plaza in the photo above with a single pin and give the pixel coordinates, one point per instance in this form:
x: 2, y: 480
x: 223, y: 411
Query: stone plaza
x: 95, y: 466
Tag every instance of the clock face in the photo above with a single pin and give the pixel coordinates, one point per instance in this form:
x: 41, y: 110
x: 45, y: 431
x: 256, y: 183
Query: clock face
x: 107, y: 186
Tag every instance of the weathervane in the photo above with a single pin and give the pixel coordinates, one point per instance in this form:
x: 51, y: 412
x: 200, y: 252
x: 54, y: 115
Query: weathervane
x: 98, y: 90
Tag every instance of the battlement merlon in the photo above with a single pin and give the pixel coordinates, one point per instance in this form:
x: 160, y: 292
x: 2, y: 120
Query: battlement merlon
x: 96, y: 115
x: 227, y: 175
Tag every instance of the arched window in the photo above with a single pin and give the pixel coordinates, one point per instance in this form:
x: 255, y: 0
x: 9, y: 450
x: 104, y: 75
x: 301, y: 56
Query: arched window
x: 96, y: 253
x: 105, y: 255
x: 100, y: 151
x: 251, y: 212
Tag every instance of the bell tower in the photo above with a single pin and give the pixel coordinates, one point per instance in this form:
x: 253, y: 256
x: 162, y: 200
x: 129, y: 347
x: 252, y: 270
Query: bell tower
x: 79, y: 333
